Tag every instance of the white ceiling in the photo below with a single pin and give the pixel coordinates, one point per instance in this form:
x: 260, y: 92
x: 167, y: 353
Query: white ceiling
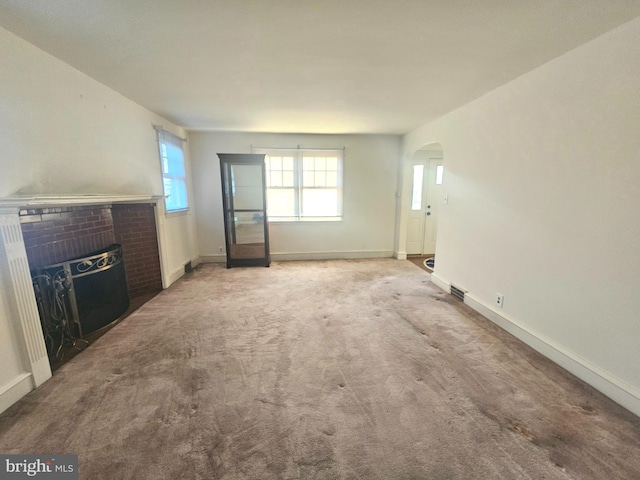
x: 321, y: 66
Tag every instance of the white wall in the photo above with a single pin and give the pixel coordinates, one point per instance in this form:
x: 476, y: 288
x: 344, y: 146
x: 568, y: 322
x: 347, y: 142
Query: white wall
x: 64, y: 133
x: 543, y: 180
x: 370, y: 168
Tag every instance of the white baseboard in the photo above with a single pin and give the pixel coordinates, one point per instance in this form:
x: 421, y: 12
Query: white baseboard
x: 176, y: 274
x: 440, y: 282
x: 603, y: 381
x: 213, y: 258
x: 41, y: 371
x: 287, y: 256
x: 400, y: 255
x: 13, y: 391
x: 284, y: 256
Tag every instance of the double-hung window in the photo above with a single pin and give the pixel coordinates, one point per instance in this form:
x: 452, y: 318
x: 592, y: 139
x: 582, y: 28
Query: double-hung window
x: 303, y: 184
x: 173, y: 171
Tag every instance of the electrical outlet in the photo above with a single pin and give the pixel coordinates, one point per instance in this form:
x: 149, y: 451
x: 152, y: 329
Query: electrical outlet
x: 499, y: 300
x: 220, y: 250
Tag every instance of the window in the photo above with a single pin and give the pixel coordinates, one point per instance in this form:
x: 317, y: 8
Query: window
x: 303, y: 184
x: 173, y: 171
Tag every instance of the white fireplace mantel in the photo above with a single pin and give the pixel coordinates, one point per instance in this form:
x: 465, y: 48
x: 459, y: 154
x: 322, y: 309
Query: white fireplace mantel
x: 11, y: 203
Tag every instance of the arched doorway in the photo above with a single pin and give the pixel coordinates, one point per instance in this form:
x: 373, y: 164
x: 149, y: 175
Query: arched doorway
x: 427, y: 173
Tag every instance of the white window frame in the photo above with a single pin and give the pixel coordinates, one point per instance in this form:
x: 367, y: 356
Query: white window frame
x: 169, y: 176
x: 299, y: 186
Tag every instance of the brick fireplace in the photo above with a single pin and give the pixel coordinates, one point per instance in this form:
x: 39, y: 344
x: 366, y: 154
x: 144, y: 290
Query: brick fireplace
x: 41, y: 230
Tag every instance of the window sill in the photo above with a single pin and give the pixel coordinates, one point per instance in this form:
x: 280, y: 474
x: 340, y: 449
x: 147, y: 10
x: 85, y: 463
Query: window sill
x: 177, y: 213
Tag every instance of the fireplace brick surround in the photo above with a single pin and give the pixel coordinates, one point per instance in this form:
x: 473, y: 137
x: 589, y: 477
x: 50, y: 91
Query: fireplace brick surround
x: 135, y: 229
x: 53, y: 235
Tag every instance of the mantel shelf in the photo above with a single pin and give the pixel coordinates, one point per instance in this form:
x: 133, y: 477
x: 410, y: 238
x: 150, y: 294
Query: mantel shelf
x: 42, y: 201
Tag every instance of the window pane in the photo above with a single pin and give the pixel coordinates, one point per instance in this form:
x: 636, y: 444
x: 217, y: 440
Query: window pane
x: 281, y: 202
x: 275, y: 163
x: 416, y: 197
x: 287, y: 179
x: 287, y: 163
x: 276, y: 178
x: 332, y: 164
x: 177, y: 194
x: 320, y: 202
x: 332, y: 179
x: 307, y: 163
x: 320, y: 180
x: 181, y: 194
x: 439, y: 174
x: 307, y: 178
x: 173, y: 171
x: 172, y: 160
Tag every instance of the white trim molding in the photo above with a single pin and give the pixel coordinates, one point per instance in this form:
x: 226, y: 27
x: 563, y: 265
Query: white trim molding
x: 400, y: 255
x: 287, y: 256
x: 213, y: 258
x: 179, y: 273
x: 335, y: 255
x: 43, y: 201
x: 13, y: 260
x: 13, y: 391
x: 440, y: 282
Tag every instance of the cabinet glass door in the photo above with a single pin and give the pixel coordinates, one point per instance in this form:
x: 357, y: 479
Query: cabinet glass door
x: 245, y: 212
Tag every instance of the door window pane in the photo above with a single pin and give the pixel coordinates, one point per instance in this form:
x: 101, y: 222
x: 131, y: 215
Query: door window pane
x: 416, y: 197
x: 439, y: 174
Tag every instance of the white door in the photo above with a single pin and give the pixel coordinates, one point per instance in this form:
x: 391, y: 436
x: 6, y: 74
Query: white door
x: 425, y: 197
x: 415, y: 227
x: 433, y: 189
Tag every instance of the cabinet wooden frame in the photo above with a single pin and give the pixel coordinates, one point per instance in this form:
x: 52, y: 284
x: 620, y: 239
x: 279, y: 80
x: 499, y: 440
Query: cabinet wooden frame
x: 253, y: 210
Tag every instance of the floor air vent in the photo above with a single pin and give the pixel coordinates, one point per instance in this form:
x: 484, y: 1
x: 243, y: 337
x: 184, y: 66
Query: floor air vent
x: 457, y: 292
x: 187, y: 267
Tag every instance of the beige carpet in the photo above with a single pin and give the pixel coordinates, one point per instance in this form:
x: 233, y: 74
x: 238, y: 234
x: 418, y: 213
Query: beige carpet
x: 355, y: 369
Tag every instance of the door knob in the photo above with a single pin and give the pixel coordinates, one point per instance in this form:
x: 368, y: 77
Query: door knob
x: 428, y: 213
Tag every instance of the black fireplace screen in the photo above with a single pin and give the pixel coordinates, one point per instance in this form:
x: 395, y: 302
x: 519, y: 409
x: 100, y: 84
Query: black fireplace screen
x: 80, y: 296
